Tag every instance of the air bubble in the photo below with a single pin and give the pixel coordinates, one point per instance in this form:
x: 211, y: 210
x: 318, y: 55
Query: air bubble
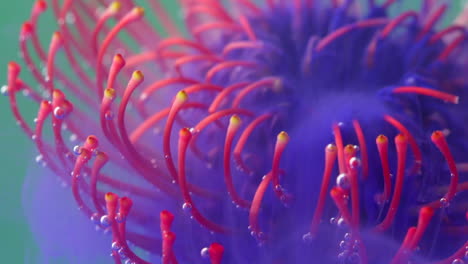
x: 333, y: 221
x: 119, y: 218
x: 122, y: 253
x: 342, y: 181
x: 73, y: 137
x: 95, y: 218
x: 4, y: 90
x: 109, y: 115
x: 204, y: 252
x: 444, y: 202
x: 116, y: 245
x: 347, y: 236
x: 39, y: 158
x: 341, y: 222
x: 343, y: 244
x: 105, y: 221
x: 458, y: 261
x: 354, y: 162
x: 308, y: 237
x: 77, y: 150
x: 187, y: 207
x: 59, y: 113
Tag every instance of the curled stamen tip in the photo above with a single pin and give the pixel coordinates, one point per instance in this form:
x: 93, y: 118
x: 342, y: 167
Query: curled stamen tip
x: 426, y: 212
x: 115, y: 6
x: 138, y: 75
x: 140, y: 11
x: 283, y: 137
x: 235, y: 121
x: 331, y: 148
x: 182, y: 96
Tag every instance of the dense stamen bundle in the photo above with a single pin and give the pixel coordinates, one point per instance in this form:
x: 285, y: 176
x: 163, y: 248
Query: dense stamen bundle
x: 223, y: 130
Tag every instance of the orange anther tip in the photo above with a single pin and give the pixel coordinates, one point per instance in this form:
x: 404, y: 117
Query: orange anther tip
x: 139, y: 10
x: 13, y: 66
x: 283, y: 137
x: 56, y: 36
x: 185, y: 133
x: 110, y: 197
x: 92, y: 140
x: 118, y: 57
x: 426, y: 211
x: 166, y: 215
x: 109, y: 93
x: 381, y: 139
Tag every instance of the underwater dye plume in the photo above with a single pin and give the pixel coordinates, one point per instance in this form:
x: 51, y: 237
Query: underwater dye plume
x: 300, y: 131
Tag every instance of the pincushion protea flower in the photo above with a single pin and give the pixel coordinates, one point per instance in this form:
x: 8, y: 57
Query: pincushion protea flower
x: 271, y: 132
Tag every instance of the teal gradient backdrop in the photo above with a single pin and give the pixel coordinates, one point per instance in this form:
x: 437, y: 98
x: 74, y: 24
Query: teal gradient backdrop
x: 17, y: 244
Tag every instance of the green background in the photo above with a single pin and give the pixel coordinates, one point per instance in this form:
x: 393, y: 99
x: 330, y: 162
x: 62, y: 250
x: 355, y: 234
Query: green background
x: 16, y: 151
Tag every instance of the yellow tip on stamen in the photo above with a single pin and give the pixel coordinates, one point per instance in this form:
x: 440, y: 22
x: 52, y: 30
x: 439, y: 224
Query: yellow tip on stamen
x: 138, y: 75
x: 102, y: 156
x: 92, y: 140
x: 115, y: 6
x: 139, y: 10
x: 185, y: 133
x: 349, y: 148
x: 182, y: 96
x: 235, y: 121
x: 283, y: 137
x: 331, y: 148
x: 109, y: 93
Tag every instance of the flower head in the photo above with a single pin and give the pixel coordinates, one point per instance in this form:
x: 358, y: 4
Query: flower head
x: 273, y: 132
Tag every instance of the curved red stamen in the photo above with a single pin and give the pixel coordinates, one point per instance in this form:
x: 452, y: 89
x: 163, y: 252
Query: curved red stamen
x: 382, y: 147
x: 440, y: 35
x: 210, y: 74
x: 375, y: 22
x: 193, y: 58
x: 152, y: 88
x: 247, y: 28
x: 338, y: 195
x: 81, y: 161
x: 228, y: 26
x: 281, y: 143
x: 132, y: 16
x: 236, y: 45
x: 274, y: 82
x: 175, y: 41
x: 243, y: 140
x: 108, y: 13
x: 394, y: 23
x: 184, y: 139
x: 330, y: 157
x: 432, y: 20
x: 414, y: 146
x: 99, y: 162
x: 224, y: 94
x: 401, y: 143
x: 255, y: 207
x: 451, y: 47
x: 438, y: 139
x: 362, y: 147
x: 402, y: 251
x: 428, y: 92
x: 340, y: 148
x: 234, y: 125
